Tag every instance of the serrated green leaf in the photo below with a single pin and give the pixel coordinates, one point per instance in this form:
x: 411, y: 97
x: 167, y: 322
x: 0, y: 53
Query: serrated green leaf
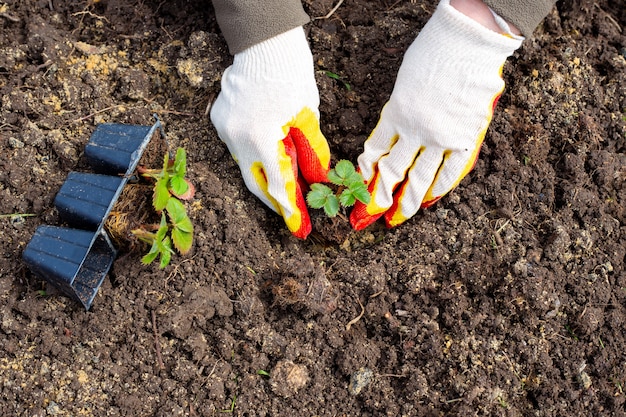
x: 178, y: 185
x: 185, y: 225
x: 316, y: 198
x: 176, y: 211
x: 362, y: 194
x: 166, y: 252
x: 358, y: 187
x: 344, y: 169
x: 182, y: 240
x: 331, y: 206
x: 354, y: 178
x: 151, y: 256
x: 166, y: 163
x: 161, y: 194
x: 334, y: 178
x: 180, y: 163
x: 347, y: 198
x: 181, y: 225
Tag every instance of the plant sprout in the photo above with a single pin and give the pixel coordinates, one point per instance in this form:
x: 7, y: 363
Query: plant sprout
x: 351, y: 187
x: 175, y: 228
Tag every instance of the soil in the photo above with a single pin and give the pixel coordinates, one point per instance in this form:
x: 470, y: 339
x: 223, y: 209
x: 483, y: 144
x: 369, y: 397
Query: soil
x: 507, y: 298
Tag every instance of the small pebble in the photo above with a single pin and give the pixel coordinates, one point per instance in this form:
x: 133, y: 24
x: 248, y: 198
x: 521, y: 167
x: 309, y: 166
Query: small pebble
x: 584, y: 379
x: 17, y: 221
x: 53, y: 408
x: 16, y: 143
x: 359, y: 380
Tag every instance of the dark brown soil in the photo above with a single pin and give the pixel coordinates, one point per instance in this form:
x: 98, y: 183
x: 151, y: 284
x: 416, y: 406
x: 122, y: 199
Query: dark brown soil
x: 507, y: 298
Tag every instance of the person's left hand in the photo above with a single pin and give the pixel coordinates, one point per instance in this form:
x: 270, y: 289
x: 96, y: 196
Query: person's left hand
x: 431, y: 129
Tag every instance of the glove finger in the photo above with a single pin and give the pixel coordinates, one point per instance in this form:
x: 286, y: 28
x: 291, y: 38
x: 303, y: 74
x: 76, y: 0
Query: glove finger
x: 298, y: 222
x: 393, y: 169
x: 380, y: 142
x: 408, y: 197
x: 278, y: 187
x: 454, y: 168
x: 389, y: 174
x: 311, y: 147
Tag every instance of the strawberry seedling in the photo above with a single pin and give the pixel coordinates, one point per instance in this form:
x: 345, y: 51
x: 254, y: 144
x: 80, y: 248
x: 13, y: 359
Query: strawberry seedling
x: 175, y: 229
x: 350, y: 188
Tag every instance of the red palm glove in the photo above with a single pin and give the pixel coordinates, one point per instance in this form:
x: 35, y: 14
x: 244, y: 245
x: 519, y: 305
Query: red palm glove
x: 267, y: 114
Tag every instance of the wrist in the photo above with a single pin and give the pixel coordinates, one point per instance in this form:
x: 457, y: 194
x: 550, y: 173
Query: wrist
x: 481, y: 13
x: 283, y: 56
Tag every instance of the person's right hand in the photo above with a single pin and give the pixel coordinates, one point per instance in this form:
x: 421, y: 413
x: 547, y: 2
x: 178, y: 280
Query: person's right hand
x: 267, y: 114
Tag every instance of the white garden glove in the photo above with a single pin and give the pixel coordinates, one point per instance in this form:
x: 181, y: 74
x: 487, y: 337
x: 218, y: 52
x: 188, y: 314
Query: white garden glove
x: 431, y: 129
x: 267, y: 114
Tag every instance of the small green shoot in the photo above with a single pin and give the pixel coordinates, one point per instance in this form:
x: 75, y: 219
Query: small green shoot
x: 351, y: 187
x: 263, y: 373
x: 232, y: 406
x: 175, y: 229
x: 571, y: 332
x: 321, y: 196
x: 503, y: 403
x: 334, y: 76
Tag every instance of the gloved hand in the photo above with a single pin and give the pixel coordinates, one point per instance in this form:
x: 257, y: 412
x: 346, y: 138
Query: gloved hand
x: 267, y: 114
x: 431, y: 129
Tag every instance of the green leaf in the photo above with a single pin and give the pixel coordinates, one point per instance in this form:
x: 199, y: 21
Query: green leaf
x: 319, y: 194
x: 332, y: 75
x: 331, y: 206
x: 151, y: 256
x: 353, y: 180
x: 180, y: 163
x: 334, y: 177
x: 178, y: 185
x: 183, y: 240
x: 362, y: 194
x: 182, y: 228
x: 176, y: 211
x: 166, y: 252
x: 343, y: 173
x: 338, y: 78
x: 166, y: 164
x: 344, y: 169
x: 184, y: 225
x: 158, y: 245
x: 347, y: 198
x: 161, y: 194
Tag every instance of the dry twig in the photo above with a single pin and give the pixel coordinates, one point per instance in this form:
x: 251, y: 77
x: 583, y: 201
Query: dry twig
x: 9, y: 17
x: 357, y: 318
x: 156, y: 342
x: 332, y: 11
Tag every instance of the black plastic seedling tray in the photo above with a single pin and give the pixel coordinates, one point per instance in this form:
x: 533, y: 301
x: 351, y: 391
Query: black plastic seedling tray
x: 77, y: 258
x: 73, y: 260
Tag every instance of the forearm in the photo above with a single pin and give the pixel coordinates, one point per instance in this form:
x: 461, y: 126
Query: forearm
x: 247, y: 22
